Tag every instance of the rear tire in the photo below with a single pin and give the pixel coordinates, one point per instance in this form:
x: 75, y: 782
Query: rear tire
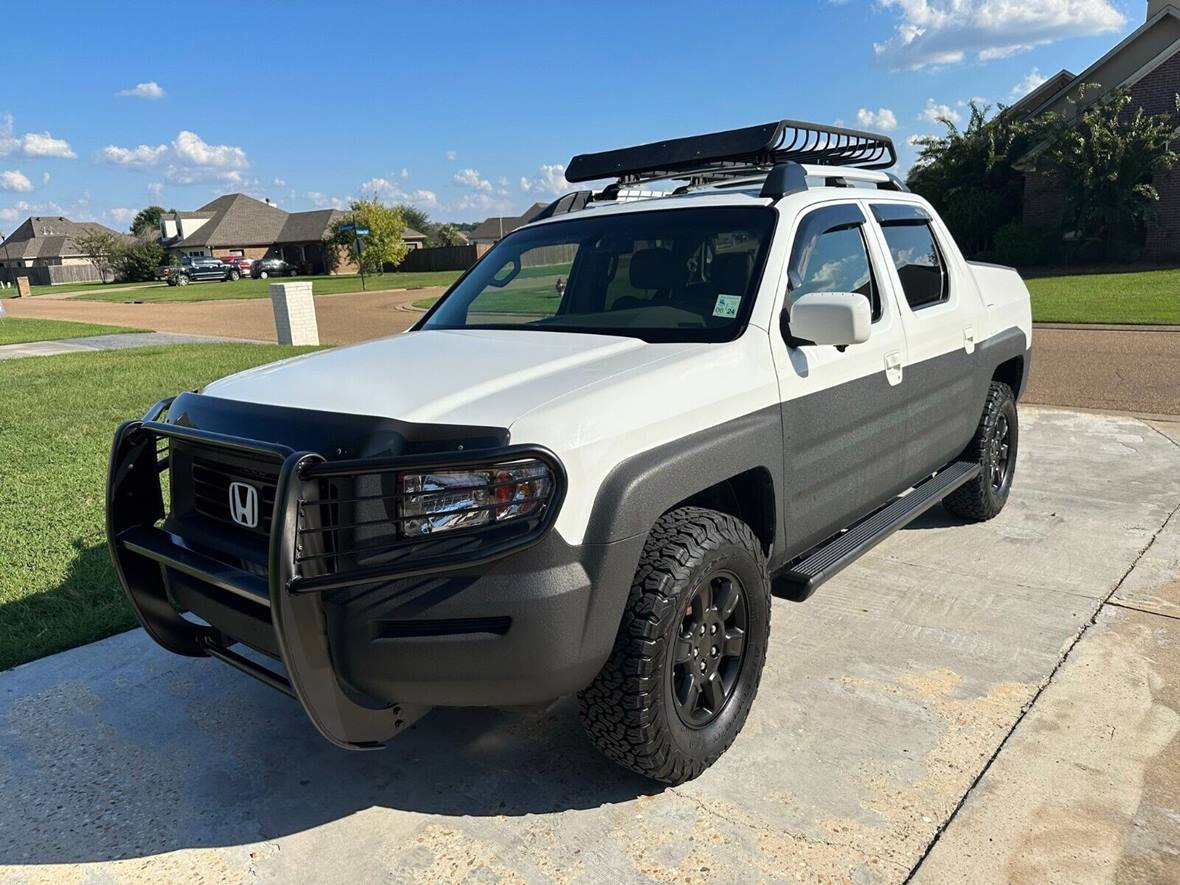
x: 262, y: 275
x: 688, y: 657
x: 234, y: 276
x: 994, y: 449
x: 181, y: 280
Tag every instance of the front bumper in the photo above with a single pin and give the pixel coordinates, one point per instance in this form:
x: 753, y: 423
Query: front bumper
x: 366, y: 651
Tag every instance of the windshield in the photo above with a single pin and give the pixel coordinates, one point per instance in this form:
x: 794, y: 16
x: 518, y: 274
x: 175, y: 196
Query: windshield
x: 678, y: 275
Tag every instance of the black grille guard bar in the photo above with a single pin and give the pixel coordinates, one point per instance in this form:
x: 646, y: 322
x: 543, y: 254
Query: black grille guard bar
x: 143, y: 554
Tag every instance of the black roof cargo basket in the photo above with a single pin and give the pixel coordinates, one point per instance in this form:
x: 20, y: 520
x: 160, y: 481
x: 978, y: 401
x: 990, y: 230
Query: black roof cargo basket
x: 722, y: 155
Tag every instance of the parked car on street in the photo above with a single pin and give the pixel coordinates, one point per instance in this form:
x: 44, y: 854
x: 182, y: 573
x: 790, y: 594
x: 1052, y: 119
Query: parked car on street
x: 739, y: 388
x: 273, y: 267
x: 242, y: 264
x: 199, y: 269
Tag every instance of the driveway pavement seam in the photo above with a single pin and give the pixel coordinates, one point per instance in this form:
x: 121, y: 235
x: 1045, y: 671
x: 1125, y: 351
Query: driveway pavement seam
x: 1044, y: 685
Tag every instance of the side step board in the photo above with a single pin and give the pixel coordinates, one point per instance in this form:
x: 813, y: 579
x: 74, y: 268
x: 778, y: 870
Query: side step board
x: 800, y: 579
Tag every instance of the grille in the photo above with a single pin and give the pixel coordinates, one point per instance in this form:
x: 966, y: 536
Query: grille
x: 211, y: 482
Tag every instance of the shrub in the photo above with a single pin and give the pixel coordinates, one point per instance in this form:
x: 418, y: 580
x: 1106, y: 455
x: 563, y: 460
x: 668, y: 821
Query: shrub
x: 1022, y: 246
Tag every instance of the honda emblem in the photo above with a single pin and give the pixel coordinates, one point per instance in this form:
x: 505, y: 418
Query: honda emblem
x: 243, y: 504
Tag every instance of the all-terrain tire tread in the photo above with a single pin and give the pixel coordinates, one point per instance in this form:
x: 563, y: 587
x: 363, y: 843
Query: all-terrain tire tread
x: 974, y: 500
x: 623, y: 709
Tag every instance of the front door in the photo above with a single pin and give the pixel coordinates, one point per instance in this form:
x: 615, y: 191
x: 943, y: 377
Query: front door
x: 843, y: 410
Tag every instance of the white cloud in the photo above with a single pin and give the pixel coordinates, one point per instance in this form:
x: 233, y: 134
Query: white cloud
x: 470, y: 178
x: 391, y: 191
x: 121, y: 215
x: 150, y: 90
x: 155, y: 188
x: 936, y: 113
x: 323, y: 201
x: 44, y: 178
x: 452, y: 154
x: 936, y: 32
x: 550, y: 179
x: 1034, y: 80
x: 136, y: 157
x: 883, y: 119
x: 31, y: 144
x: 482, y: 201
x: 405, y: 173
x: 15, y: 180
x: 188, y: 159
x: 279, y: 182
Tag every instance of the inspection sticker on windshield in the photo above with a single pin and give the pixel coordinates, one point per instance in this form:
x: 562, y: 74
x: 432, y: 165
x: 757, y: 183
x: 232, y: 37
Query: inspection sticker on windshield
x: 727, y: 305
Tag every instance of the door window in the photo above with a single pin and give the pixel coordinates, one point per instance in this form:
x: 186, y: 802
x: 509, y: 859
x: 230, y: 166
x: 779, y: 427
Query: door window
x: 921, y: 268
x: 830, y: 255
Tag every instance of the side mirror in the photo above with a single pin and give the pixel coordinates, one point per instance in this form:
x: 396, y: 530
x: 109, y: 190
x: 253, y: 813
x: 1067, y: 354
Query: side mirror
x: 839, y: 318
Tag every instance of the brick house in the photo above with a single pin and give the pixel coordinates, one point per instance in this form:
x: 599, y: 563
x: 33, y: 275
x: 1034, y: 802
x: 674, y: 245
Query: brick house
x: 44, y: 248
x: 1147, y: 63
x: 491, y: 230
x: 238, y: 225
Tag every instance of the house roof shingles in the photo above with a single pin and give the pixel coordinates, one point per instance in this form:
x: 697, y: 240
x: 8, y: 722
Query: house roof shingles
x: 239, y: 220
x: 47, y: 236
x: 490, y: 228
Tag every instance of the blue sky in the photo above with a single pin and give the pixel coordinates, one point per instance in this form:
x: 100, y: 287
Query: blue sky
x: 472, y: 109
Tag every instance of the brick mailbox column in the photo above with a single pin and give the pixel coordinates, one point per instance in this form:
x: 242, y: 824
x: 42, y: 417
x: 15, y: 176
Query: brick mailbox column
x: 22, y: 287
x: 294, y: 308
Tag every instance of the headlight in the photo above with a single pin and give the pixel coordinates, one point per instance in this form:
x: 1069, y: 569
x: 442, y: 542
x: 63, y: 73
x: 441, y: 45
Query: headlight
x: 456, y: 499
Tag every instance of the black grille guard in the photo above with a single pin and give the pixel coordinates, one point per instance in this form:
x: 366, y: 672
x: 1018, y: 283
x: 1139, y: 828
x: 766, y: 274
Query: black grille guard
x: 143, y: 554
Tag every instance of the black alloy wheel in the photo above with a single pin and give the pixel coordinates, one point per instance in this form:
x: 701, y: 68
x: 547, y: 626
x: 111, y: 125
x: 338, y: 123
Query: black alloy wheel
x: 710, y: 649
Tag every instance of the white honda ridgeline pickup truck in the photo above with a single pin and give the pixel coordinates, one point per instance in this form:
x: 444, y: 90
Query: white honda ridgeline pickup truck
x: 588, y: 468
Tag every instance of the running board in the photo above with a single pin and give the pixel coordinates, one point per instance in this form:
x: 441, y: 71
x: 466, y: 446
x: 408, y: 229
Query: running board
x: 799, y: 580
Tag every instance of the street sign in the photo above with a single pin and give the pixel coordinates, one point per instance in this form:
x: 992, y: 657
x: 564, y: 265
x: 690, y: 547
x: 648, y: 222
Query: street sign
x: 362, y: 231
x: 348, y: 227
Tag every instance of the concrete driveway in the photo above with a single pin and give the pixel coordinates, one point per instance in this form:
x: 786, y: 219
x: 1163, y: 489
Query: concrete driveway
x: 885, y: 698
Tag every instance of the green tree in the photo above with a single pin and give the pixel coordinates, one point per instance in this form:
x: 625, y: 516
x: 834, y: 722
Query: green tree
x: 448, y: 235
x: 100, y: 246
x: 137, y: 259
x: 1103, y: 159
x: 418, y: 220
x: 968, y: 176
x: 148, y: 219
x: 383, y: 245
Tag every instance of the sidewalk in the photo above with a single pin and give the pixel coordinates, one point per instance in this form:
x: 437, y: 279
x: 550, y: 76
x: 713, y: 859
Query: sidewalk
x: 118, y: 341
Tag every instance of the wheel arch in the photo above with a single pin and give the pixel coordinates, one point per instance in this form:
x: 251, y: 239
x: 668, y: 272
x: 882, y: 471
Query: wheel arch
x: 735, y: 467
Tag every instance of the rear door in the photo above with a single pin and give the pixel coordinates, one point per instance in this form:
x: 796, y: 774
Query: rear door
x: 940, y: 310
x: 844, y: 411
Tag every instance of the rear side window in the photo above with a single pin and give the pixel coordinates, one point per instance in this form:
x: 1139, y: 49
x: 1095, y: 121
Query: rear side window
x: 914, y: 249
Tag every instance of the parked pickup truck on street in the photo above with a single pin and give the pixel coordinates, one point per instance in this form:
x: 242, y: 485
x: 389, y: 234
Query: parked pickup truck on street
x: 593, y: 487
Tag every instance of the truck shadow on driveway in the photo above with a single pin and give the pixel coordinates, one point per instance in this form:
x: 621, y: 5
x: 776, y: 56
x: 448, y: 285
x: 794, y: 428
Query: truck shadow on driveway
x: 119, y: 749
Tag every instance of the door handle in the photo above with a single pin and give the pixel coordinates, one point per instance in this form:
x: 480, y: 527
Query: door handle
x: 893, y: 368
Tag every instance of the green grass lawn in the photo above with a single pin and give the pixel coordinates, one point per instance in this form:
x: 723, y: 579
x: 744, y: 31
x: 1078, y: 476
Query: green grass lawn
x: 1146, y: 297
x: 248, y: 288
x: 58, y: 415
x: 23, y: 330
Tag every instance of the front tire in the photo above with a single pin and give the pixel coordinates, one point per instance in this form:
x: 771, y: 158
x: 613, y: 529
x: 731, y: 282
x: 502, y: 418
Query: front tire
x: 262, y: 275
x: 690, y: 649
x: 234, y: 276
x: 994, y: 448
x: 182, y: 280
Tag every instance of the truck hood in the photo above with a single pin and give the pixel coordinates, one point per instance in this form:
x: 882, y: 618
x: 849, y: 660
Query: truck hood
x: 472, y: 376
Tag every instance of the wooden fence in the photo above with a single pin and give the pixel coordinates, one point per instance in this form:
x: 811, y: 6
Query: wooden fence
x: 51, y: 274
x: 443, y: 258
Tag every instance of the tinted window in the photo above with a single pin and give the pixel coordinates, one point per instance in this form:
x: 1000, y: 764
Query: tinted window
x: 919, y: 263
x: 678, y: 275
x: 836, y: 261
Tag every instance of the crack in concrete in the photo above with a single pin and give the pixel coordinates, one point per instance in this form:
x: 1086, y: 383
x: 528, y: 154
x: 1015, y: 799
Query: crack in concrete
x: 1044, y: 684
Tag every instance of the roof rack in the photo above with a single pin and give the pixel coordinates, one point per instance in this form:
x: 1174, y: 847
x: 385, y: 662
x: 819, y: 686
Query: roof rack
x: 735, y: 153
